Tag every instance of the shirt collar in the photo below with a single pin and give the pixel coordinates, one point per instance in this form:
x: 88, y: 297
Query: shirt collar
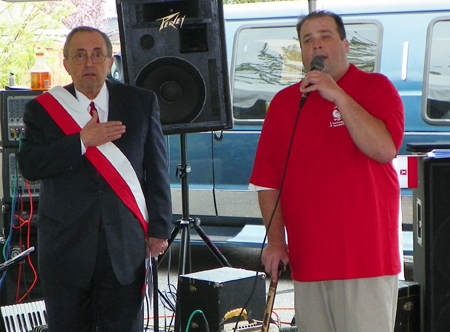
x: 101, y: 101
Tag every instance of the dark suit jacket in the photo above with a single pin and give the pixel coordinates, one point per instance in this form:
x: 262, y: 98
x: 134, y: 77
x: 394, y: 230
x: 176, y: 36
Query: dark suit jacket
x: 73, y: 198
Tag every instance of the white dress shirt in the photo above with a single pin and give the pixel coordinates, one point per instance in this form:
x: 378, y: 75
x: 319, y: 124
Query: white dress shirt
x: 101, y: 104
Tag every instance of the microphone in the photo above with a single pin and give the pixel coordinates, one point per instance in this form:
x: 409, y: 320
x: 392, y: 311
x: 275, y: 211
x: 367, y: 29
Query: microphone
x: 316, y: 64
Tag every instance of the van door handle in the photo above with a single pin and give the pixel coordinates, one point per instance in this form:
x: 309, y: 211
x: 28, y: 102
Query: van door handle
x: 218, y: 135
x: 405, y: 60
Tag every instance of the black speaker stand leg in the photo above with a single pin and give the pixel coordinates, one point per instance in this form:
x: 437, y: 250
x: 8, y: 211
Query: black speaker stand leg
x: 186, y: 222
x: 184, y: 225
x: 155, y: 294
x: 212, y: 247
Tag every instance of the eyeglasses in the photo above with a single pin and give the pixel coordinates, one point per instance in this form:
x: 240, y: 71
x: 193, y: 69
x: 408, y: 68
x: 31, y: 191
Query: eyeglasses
x: 81, y: 58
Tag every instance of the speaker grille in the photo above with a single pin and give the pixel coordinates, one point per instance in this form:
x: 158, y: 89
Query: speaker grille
x: 176, y: 48
x: 179, y: 86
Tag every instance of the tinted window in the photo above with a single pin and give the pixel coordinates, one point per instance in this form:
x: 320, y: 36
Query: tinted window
x: 268, y: 58
x: 437, y: 73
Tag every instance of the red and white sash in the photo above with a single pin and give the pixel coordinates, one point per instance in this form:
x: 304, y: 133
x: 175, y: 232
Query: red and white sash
x: 110, y: 162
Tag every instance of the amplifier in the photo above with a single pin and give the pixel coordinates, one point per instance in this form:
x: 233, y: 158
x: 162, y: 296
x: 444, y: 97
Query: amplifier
x: 215, y: 293
x: 13, y: 183
x: 12, y: 107
x: 408, y: 307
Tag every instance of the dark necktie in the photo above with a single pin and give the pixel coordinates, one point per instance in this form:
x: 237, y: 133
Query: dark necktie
x: 92, y: 106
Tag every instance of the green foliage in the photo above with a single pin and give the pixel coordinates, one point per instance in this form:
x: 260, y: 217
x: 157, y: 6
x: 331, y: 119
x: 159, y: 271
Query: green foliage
x: 24, y: 29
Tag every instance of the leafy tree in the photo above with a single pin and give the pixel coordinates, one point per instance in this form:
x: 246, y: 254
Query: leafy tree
x: 89, y: 13
x: 26, y: 27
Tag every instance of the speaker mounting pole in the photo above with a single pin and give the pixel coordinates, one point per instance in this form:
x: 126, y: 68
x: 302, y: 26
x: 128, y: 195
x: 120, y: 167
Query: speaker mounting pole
x: 186, y: 222
x: 184, y: 225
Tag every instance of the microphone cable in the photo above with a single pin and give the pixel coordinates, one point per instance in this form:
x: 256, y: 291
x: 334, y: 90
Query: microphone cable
x: 317, y: 63
x: 283, y: 177
x: 277, y: 202
x: 258, y: 270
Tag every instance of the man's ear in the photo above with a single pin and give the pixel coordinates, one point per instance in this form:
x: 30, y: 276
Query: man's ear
x: 65, y: 65
x: 347, y: 45
x: 111, y: 61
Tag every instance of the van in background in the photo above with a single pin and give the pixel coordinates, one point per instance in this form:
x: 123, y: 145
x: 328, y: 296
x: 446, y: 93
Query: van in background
x: 406, y: 40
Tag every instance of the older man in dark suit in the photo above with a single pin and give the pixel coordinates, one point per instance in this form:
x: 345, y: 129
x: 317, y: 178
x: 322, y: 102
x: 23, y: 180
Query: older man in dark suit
x: 105, y: 203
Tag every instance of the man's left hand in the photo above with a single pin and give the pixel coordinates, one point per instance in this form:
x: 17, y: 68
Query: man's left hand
x: 156, y: 247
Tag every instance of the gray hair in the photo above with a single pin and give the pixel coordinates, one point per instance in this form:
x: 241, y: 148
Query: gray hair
x: 88, y: 29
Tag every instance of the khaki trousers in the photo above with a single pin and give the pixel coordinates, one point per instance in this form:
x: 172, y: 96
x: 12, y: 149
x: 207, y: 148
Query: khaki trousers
x: 354, y: 305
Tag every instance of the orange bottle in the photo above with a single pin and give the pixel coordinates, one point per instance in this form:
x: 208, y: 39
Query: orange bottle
x: 40, y: 73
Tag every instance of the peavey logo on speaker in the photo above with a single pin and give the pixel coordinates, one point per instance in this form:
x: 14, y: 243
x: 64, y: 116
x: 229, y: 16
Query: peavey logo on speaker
x: 172, y: 20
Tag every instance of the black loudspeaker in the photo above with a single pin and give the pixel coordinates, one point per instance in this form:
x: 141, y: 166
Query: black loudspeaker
x: 431, y: 223
x: 209, y: 296
x: 177, y: 49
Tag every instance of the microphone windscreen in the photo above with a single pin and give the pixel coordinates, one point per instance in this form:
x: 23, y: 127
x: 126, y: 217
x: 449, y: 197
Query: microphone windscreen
x: 317, y: 63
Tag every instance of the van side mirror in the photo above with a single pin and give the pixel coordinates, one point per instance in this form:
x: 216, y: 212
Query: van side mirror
x: 117, y: 69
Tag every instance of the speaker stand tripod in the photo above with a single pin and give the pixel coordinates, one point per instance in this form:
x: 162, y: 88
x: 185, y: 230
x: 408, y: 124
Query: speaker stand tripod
x: 186, y: 222
x: 184, y: 225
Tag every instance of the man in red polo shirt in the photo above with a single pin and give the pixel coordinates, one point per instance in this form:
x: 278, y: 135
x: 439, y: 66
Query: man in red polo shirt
x: 330, y: 166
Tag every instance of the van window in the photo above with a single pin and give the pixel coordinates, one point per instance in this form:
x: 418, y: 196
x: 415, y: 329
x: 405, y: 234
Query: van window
x: 268, y: 58
x: 437, y: 73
